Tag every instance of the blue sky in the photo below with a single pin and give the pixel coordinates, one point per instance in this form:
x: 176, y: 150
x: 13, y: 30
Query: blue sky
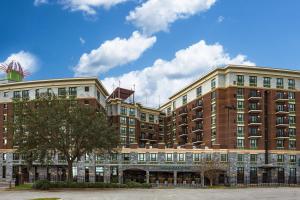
x: 54, y: 39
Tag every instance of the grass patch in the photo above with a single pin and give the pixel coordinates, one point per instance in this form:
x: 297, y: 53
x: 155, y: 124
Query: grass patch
x: 26, y: 186
x: 46, y: 199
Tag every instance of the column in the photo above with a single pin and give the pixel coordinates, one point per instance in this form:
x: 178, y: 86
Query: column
x: 147, y: 177
x: 175, y: 178
x: 92, y: 174
x: 120, y: 176
x: 107, y: 174
x: 202, y: 179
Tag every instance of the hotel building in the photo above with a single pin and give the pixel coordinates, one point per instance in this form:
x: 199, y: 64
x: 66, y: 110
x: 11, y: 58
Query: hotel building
x: 242, y: 118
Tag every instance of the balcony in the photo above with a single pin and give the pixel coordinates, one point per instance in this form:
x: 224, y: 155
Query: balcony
x: 282, y: 110
x: 255, y: 108
x: 254, y: 121
x: 198, y: 139
x: 183, y: 133
x: 198, y: 116
x: 281, y: 97
x: 144, y: 137
x: 282, y: 134
x: 254, y: 134
x: 254, y: 96
x: 197, y: 128
x: 183, y: 122
x: 197, y: 105
x: 183, y: 111
x: 282, y: 123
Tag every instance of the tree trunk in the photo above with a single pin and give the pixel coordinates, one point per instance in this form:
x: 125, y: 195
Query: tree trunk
x: 70, y: 171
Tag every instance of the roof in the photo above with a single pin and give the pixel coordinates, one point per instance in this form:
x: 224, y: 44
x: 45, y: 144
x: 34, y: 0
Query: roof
x: 54, y: 81
x: 121, y: 93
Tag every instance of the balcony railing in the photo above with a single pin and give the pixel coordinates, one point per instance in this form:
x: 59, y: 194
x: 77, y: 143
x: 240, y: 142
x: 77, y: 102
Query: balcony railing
x: 198, y: 104
x: 282, y: 97
x: 282, y: 110
x: 254, y: 134
x: 183, y: 133
x: 283, y: 122
x: 282, y: 134
x: 254, y: 121
x: 183, y: 122
x: 254, y: 108
x: 254, y: 96
x: 197, y: 139
x: 197, y: 128
x: 183, y: 111
x: 198, y: 116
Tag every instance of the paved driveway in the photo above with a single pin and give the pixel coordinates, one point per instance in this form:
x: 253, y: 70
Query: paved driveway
x: 161, y: 194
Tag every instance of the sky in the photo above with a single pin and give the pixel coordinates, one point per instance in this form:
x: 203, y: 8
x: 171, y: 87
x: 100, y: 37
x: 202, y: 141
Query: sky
x: 154, y: 46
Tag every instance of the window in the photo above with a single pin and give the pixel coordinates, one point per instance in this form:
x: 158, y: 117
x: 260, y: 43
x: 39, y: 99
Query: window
x: 174, y: 105
x: 292, y: 144
x: 240, y: 157
x: 253, y: 143
x: 240, y: 143
x: 143, y: 116
x: 132, y: 112
x: 240, y: 118
x: 240, y: 80
x: 142, y: 157
x: 213, y: 84
x: 181, y: 157
x: 37, y: 93
x: 213, y: 108
x: 25, y: 94
x: 291, y: 95
x: 240, y: 93
x: 16, y: 156
x: 199, y: 91
x: 196, y: 157
x: 123, y: 131
x: 240, y: 131
x: 292, y: 108
x: 279, y: 83
x: 3, y: 171
x: 224, y: 157
x: 151, y: 118
x: 213, y: 95
x: 267, y: 82
x: 86, y: 88
x: 131, y: 121
x: 123, y: 110
x: 153, y: 157
x: 292, y: 132
x: 132, y: 131
x: 98, y: 96
x: 292, y: 158
x: 4, y: 156
x: 49, y: 91
x: 208, y: 157
x: 16, y: 94
x: 126, y: 156
x: 5, y: 94
x: 253, y: 158
x: 213, y: 120
x: 123, y: 120
x: 279, y: 144
x: 292, y: 120
x: 291, y: 84
x: 280, y: 158
x: 169, y: 157
x: 240, y: 105
x: 253, y: 81
x: 73, y: 91
x: 184, y: 99
x: 62, y: 92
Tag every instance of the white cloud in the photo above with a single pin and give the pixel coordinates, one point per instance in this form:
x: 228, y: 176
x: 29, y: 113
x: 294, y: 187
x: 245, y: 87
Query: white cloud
x: 156, y: 15
x: 220, y: 19
x: 82, y: 41
x: 28, y: 61
x: 113, y: 53
x: 164, y: 78
x: 40, y: 2
x: 87, y: 6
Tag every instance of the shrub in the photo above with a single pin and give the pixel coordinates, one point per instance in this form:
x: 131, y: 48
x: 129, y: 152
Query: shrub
x: 41, y: 185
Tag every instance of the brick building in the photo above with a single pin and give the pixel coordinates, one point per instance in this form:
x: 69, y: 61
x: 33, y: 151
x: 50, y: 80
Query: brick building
x: 244, y: 118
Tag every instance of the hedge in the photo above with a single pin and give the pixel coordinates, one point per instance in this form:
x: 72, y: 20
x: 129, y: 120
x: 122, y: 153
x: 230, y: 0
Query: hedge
x: 45, y: 185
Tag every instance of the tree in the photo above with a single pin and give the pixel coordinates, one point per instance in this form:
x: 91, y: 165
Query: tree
x: 49, y: 126
x: 211, y: 169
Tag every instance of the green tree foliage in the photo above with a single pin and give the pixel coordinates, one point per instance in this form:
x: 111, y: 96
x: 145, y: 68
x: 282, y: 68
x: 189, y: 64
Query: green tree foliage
x: 49, y: 126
